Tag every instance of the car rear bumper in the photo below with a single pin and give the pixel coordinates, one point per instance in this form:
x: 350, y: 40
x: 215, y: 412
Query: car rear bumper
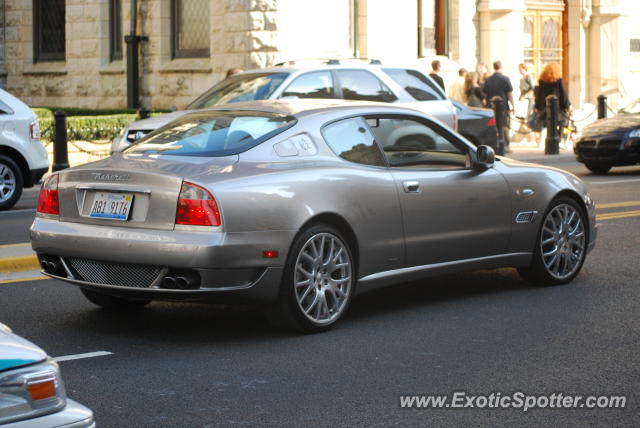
x: 134, y: 263
x: 74, y: 415
x: 34, y: 176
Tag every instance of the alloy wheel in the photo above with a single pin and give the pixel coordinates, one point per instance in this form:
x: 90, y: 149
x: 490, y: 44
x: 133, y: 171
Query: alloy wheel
x: 562, y: 241
x: 7, y: 183
x: 323, y: 278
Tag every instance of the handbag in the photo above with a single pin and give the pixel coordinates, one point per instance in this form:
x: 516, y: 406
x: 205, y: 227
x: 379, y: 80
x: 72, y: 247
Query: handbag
x: 533, y: 120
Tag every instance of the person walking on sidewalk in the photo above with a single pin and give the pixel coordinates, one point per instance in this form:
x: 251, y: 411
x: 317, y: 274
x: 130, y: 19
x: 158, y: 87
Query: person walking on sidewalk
x: 456, y: 89
x: 550, y: 83
x: 526, y: 89
x: 472, y: 90
x: 499, y: 85
x: 435, y: 69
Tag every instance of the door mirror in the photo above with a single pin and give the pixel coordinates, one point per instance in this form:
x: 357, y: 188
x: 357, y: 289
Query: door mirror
x: 485, y: 156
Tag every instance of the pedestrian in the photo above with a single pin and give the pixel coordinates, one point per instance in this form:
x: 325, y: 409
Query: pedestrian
x: 456, y: 89
x: 435, y: 69
x: 472, y: 90
x: 500, y: 85
x: 481, y: 69
x: 526, y: 89
x: 232, y: 71
x: 550, y: 83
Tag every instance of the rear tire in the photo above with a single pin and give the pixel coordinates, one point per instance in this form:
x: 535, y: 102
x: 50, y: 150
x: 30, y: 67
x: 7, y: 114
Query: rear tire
x: 561, y: 245
x: 318, y: 282
x: 597, y: 168
x: 112, y: 303
x: 11, y: 182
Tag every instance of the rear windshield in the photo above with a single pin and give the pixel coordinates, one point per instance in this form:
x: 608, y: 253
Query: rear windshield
x: 207, y: 134
x: 240, y: 87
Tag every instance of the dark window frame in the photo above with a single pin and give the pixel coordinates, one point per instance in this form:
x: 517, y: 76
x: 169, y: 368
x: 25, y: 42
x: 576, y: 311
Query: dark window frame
x: 334, y: 87
x: 176, y: 52
x: 38, y: 55
x: 115, y: 30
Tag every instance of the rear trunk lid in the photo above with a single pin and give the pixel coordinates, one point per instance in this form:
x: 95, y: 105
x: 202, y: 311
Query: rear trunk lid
x: 147, y: 187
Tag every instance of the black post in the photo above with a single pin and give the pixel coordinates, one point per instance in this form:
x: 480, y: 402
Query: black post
x: 60, y: 156
x: 144, y: 113
x: 552, y: 143
x: 499, y: 109
x: 602, y: 106
x: 133, y: 76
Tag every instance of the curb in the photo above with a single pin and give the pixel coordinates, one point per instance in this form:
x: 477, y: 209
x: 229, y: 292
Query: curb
x: 19, y: 264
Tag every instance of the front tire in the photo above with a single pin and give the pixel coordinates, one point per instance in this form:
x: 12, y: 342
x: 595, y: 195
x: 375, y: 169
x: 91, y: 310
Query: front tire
x: 561, y: 245
x: 112, y: 303
x: 318, y: 281
x: 597, y: 168
x: 11, y: 183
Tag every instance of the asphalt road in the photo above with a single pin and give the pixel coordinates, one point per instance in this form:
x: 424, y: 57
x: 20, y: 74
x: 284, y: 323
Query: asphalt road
x: 480, y: 332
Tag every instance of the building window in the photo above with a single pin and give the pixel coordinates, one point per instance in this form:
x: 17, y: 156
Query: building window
x: 542, y: 39
x: 433, y: 32
x: 48, y: 30
x: 190, y: 25
x: 115, y: 30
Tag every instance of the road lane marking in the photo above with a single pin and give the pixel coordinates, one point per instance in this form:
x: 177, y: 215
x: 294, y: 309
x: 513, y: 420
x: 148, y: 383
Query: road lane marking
x: 81, y: 356
x: 619, y: 204
x: 614, y: 181
x: 615, y: 215
x: 35, y: 278
x: 20, y: 244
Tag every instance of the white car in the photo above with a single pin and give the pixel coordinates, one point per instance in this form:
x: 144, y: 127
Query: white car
x: 404, y: 86
x: 23, y: 159
x: 32, y: 394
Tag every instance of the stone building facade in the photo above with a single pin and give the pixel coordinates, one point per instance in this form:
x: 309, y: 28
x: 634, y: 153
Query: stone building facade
x: 191, y: 43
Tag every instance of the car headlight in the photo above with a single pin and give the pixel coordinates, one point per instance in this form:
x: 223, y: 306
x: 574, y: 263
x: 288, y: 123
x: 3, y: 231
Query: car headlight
x: 635, y: 133
x: 31, y: 391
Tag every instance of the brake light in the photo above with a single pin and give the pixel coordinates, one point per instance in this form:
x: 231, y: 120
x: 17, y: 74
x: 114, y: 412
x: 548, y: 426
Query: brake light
x: 492, y: 121
x: 48, y: 199
x: 34, y: 130
x: 196, y: 206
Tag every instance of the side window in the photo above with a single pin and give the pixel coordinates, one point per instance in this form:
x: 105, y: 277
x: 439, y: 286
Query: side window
x: 362, y: 85
x: 351, y: 140
x: 311, y: 85
x: 415, y: 83
x: 409, y: 143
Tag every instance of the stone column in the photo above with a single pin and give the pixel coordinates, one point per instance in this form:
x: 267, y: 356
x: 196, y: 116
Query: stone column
x: 501, y: 32
x: 607, y: 52
x: 579, y: 22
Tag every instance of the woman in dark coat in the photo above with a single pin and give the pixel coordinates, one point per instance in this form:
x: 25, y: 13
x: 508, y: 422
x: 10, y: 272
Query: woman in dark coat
x: 550, y: 83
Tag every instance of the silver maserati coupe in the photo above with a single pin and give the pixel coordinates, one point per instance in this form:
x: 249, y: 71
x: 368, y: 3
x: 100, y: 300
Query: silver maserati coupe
x: 299, y: 204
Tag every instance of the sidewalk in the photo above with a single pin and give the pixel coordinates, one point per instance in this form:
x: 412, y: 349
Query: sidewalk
x: 529, y: 152
x: 18, y: 262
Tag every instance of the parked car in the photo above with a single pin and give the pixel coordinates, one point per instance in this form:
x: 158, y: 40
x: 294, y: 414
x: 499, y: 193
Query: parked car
x: 368, y: 82
x: 32, y: 393
x: 295, y: 204
x: 478, y: 125
x: 611, y: 142
x: 23, y: 159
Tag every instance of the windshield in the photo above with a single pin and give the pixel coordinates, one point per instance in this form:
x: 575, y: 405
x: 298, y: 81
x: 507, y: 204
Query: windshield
x: 239, y: 87
x: 633, y: 108
x: 220, y: 133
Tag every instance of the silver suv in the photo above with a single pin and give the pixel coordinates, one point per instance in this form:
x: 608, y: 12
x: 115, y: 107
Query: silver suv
x: 23, y: 159
x: 404, y: 86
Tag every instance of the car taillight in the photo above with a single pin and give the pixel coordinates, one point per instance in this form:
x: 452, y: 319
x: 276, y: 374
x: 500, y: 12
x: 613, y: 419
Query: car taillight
x: 34, y: 130
x: 48, y: 199
x: 492, y: 121
x: 196, y: 206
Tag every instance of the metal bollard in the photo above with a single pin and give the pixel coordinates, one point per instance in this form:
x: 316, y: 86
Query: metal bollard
x: 602, y: 106
x: 552, y: 142
x: 499, y: 109
x: 60, y: 155
x: 144, y: 113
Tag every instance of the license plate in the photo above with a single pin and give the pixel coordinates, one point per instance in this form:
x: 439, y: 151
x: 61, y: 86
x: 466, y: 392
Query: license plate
x: 114, y: 206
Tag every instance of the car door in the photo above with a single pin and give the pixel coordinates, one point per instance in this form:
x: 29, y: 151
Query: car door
x: 450, y: 210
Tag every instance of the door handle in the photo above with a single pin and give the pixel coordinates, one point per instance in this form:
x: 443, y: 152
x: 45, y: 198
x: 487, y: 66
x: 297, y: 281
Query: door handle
x: 411, y: 186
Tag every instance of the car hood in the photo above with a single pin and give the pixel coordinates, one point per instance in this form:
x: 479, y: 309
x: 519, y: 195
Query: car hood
x: 16, y: 351
x: 614, y: 125
x: 156, y: 122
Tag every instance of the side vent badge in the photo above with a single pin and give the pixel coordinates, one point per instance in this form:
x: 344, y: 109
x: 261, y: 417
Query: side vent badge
x: 526, y: 216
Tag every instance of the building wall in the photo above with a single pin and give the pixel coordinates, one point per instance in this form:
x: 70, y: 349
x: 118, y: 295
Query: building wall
x: 258, y: 33
x: 3, y: 69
